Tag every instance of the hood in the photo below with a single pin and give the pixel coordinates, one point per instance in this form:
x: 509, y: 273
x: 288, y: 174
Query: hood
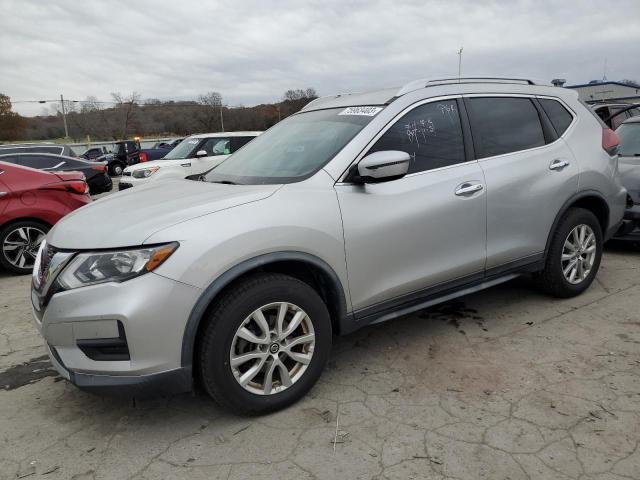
x: 157, y: 163
x: 128, y: 218
x: 630, y: 172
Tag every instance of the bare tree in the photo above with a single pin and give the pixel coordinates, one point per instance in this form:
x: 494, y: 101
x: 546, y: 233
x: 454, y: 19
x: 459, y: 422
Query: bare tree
x: 127, y: 106
x: 209, y: 118
x: 300, y: 94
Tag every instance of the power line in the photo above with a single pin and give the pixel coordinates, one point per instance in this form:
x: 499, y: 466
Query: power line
x: 169, y: 103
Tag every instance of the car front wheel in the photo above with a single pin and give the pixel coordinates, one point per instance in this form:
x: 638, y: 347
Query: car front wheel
x: 265, y: 344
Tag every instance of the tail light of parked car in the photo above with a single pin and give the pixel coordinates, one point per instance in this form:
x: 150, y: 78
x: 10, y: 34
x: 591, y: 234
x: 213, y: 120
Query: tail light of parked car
x: 143, y: 157
x: 99, y: 168
x: 610, y: 141
x: 74, y: 186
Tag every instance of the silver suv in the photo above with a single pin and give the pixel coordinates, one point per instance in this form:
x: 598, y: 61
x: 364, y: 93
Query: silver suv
x: 358, y: 209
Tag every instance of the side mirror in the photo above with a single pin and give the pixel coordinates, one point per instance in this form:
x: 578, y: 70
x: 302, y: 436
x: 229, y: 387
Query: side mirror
x: 201, y: 153
x: 382, y: 167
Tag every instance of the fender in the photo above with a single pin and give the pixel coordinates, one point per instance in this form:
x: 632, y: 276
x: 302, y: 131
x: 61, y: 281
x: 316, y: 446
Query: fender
x: 573, y: 199
x: 195, y: 317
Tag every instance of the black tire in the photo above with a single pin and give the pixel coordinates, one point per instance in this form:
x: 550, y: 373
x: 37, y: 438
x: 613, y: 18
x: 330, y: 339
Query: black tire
x: 552, y: 279
x: 115, y: 169
x: 233, y: 307
x: 6, y: 231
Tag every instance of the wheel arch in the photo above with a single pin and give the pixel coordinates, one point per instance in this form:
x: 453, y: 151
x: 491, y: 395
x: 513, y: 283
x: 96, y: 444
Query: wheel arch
x: 589, y: 200
x: 306, y: 267
x: 25, y: 219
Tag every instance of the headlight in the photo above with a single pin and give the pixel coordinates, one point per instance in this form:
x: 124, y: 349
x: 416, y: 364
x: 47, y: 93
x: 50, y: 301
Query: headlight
x: 144, y: 172
x: 114, y: 266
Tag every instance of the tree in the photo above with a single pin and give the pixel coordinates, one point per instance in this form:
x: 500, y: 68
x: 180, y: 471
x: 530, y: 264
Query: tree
x: 12, y: 125
x: 127, y: 106
x: 209, y: 118
x: 631, y: 83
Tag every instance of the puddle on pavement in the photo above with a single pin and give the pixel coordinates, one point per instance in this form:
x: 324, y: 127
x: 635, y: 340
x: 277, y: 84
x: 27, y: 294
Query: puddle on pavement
x: 27, y: 373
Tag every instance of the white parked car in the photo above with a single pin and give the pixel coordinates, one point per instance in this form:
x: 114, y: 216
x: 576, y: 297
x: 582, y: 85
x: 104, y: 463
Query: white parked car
x: 193, y: 157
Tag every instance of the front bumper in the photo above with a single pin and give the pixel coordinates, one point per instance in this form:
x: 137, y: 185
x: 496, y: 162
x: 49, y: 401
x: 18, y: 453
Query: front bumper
x: 150, y: 310
x: 175, y: 381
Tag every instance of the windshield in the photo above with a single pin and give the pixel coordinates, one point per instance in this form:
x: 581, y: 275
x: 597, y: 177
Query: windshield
x: 294, y: 149
x: 629, y: 134
x: 183, y: 150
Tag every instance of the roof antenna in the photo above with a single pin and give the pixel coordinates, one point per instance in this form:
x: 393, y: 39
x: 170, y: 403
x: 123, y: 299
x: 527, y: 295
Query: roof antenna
x: 604, y: 74
x: 459, y: 63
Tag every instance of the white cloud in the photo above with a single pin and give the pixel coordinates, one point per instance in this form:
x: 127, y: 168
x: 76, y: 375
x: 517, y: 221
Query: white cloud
x: 252, y: 51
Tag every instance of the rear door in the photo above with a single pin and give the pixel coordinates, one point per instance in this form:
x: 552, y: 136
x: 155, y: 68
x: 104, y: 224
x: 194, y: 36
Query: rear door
x: 530, y: 173
x: 420, y: 231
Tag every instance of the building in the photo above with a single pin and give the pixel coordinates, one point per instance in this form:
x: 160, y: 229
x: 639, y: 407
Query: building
x: 605, y: 91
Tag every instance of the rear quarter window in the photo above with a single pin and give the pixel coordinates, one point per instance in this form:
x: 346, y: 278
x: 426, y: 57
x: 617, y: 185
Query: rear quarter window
x: 560, y: 117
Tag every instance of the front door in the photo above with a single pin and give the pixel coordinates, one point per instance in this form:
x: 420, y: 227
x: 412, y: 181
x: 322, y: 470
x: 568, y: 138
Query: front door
x: 425, y: 229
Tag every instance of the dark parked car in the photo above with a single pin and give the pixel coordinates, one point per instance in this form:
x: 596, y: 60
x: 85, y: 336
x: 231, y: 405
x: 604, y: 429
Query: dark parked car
x: 57, y: 149
x: 94, y: 152
x: 124, y: 153
x: 629, y: 165
x: 24, y: 224
x: 614, y: 114
x: 95, y: 173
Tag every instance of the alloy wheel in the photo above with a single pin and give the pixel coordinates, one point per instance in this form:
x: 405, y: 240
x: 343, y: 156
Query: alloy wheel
x: 21, y: 246
x: 272, y: 348
x: 578, y: 254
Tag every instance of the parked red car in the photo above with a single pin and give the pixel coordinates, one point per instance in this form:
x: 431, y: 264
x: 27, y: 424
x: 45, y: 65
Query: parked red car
x: 31, y: 202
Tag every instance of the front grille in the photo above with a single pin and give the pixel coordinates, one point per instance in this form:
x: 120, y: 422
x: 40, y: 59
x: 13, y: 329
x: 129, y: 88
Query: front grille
x: 126, y: 174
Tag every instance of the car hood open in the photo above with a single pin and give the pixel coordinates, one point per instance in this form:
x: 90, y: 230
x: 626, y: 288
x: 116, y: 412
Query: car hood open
x: 128, y: 218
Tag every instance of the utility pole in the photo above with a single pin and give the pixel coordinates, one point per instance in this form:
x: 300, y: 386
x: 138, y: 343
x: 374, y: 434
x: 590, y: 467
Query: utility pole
x: 64, y: 117
x: 460, y: 63
x: 221, y: 119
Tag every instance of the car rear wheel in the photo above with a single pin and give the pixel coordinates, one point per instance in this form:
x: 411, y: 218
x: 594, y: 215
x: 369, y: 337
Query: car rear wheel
x: 574, y: 255
x: 19, y: 243
x: 265, y: 344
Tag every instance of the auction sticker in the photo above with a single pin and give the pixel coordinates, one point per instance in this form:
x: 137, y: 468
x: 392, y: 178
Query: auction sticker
x: 367, y: 111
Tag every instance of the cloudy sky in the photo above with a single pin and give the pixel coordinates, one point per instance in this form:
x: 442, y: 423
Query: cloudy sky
x: 252, y: 51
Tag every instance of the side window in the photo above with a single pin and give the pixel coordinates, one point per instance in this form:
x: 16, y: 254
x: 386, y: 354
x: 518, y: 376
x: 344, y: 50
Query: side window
x: 431, y: 134
x: 238, y: 142
x: 502, y: 125
x: 40, y: 161
x: 9, y: 158
x: 617, y: 118
x: 559, y: 116
x: 216, y: 146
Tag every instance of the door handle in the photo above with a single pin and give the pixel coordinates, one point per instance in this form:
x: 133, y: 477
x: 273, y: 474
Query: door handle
x: 468, y: 188
x: 558, y: 164
x: 185, y: 164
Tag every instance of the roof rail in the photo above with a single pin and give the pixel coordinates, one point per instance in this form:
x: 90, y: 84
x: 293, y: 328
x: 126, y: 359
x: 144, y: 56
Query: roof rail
x: 427, y: 82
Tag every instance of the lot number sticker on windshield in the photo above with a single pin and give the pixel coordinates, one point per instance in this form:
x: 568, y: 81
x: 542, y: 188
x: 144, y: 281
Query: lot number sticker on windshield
x: 367, y: 111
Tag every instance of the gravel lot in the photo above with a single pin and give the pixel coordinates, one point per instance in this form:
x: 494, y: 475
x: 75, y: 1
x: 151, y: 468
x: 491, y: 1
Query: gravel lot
x: 502, y: 384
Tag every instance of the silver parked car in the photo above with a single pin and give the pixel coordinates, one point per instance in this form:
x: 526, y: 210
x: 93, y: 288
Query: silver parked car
x: 358, y: 209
